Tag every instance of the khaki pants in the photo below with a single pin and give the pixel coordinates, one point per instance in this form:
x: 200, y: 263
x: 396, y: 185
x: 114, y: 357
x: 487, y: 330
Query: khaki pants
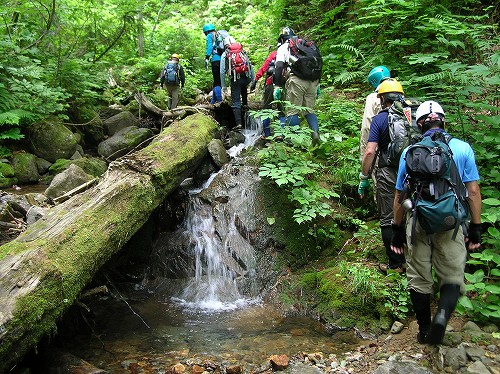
x: 173, y: 95
x: 437, y: 251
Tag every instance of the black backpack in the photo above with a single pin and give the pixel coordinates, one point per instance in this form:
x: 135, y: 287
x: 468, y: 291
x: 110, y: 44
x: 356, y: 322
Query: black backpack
x: 439, y: 197
x: 305, y: 59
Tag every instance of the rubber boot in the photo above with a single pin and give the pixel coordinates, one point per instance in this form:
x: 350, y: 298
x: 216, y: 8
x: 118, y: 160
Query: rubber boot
x: 422, y: 307
x: 449, y: 294
x: 396, y: 261
x: 237, y: 118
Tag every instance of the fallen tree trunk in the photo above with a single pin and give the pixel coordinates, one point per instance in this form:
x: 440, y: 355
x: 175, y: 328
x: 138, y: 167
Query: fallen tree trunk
x: 44, y: 270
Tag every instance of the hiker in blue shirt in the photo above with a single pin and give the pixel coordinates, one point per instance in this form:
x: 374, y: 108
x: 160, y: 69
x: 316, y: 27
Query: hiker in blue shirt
x: 211, y: 54
x: 439, y: 251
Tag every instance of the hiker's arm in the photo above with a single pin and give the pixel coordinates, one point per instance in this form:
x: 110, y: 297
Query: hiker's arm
x: 474, y: 201
x: 368, y: 157
x: 399, y: 211
x: 398, y: 231
x: 473, y: 239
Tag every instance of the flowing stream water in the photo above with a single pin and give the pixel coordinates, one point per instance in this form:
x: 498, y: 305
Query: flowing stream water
x: 154, y: 326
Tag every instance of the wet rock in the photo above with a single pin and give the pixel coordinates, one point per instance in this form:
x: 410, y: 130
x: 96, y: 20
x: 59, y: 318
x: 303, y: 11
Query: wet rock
x: 64, y: 182
x: 197, y: 369
x: 280, y: 362
x: 177, y: 369
x: 235, y: 369
x: 218, y: 152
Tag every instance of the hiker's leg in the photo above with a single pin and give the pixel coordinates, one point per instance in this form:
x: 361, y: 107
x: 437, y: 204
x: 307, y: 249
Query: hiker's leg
x: 236, y: 101
x: 312, y: 121
x: 175, y: 97
x: 216, y: 73
x: 448, y: 259
x: 386, y: 178
x: 422, y: 307
x: 267, y: 99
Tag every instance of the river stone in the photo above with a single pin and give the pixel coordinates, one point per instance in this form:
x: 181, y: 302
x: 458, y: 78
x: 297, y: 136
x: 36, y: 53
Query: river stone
x: 122, y: 142
x: 218, y: 152
x: 52, y: 141
x: 64, y: 182
x: 25, y: 168
x: 42, y: 165
x: 119, y: 121
x: 395, y: 367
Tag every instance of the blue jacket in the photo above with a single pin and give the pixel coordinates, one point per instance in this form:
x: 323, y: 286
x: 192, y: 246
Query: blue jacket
x: 209, y: 49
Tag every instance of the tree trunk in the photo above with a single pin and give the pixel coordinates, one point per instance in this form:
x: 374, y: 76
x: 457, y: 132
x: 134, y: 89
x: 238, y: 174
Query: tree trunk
x: 44, y: 270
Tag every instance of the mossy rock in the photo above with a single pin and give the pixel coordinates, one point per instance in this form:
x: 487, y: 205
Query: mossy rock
x: 52, y: 141
x: 92, y: 166
x: 6, y: 170
x: 7, y: 182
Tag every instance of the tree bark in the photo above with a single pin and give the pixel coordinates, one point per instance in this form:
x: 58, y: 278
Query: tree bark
x: 43, y: 271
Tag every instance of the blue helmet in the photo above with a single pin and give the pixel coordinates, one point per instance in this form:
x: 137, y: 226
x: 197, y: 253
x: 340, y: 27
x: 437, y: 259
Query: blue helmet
x: 377, y: 75
x: 208, y: 27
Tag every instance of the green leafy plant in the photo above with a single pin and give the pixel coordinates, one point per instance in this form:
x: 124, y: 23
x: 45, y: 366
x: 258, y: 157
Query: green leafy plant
x: 483, y: 292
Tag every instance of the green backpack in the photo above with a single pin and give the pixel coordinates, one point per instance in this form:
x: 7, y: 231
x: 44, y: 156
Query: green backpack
x: 439, y: 197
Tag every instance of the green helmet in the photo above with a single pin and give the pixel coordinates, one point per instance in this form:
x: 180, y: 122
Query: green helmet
x: 208, y: 27
x: 377, y: 75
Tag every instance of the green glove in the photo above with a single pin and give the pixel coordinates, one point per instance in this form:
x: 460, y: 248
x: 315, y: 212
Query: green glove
x: 318, y: 91
x: 277, y: 93
x: 363, y: 187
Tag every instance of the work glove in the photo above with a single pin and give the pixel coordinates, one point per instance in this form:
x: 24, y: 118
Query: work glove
x: 318, y: 92
x: 363, y: 187
x: 206, y: 64
x: 277, y: 93
x: 474, y: 234
x: 398, y: 238
x: 253, y: 85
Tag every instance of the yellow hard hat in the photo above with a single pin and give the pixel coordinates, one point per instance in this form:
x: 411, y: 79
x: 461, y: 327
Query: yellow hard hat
x: 390, y: 85
x: 175, y: 55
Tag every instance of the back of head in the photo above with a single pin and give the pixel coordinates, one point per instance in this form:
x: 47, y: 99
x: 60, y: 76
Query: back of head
x: 229, y: 40
x: 390, y: 90
x: 208, y: 27
x: 430, y: 114
x: 377, y: 75
x: 285, y: 34
x: 174, y: 57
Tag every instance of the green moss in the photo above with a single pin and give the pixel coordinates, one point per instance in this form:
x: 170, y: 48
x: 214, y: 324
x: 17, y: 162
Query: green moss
x: 6, y: 170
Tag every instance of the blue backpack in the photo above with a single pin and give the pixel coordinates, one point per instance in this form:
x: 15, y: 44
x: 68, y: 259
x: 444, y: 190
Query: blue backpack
x: 439, y: 197
x: 171, y: 73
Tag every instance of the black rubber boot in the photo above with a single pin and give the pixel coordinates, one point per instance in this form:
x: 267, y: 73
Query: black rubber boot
x: 422, y: 308
x: 395, y: 260
x: 449, y: 294
x: 237, y: 118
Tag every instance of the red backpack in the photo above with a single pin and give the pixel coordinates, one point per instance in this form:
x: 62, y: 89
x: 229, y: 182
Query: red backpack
x: 238, y: 61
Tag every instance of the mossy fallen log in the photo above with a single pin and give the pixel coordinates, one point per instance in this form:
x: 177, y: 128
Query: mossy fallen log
x: 44, y: 270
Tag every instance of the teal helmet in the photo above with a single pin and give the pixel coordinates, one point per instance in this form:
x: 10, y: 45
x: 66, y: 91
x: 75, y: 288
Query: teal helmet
x: 377, y: 75
x: 208, y: 27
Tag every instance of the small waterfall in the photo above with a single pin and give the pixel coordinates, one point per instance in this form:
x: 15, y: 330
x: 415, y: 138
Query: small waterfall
x: 214, y: 284
x: 219, y: 257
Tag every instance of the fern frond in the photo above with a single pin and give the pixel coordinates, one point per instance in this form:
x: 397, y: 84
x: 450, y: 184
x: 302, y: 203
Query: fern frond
x: 349, y: 48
